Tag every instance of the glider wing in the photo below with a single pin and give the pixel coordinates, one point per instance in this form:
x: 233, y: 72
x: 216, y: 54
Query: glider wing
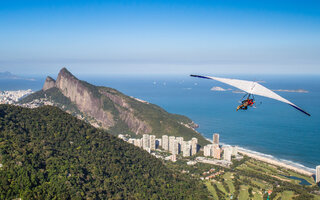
x: 252, y: 87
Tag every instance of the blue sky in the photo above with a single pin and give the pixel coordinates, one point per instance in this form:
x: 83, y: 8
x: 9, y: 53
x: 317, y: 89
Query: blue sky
x: 160, y: 37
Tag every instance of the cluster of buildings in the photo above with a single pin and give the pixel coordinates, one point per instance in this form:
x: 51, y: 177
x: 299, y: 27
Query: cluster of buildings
x: 147, y: 142
x: 213, y: 153
x: 214, y: 150
x: 211, y: 174
x: 171, y: 144
x: 177, y: 145
x: 11, y: 97
x: 36, y: 103
x: 212, y: 161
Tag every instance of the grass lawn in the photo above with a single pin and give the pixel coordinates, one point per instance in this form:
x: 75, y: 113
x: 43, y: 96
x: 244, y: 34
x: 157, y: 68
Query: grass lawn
x: 257, y: 195
x: 287, y: 195
x: 220, y: 187
x: 211, y: 189
x: 227, y: 177
x: 263, y: 168
x: 244, y: 195
x: 259, y: 168
x: 251, y: 167
x: 261, y: 184
x: 271, y: 170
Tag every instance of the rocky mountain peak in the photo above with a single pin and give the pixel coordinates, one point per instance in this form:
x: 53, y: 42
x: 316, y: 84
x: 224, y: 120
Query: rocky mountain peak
x: 49, y: 83
x: 66, y: 74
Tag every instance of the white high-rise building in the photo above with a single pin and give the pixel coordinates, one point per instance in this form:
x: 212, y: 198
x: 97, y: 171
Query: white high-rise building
x: 194, y: 146
x: 216, y: 138
x: 318, y: 174
x: 175, y: 148
x: 235, y: 150
x: 216, y: 151
x: 180, y: 141
x: 131, y: 140
x: 207, y: 150
x: 183, y: 145
x: 145, y: 141
x: 152, y: 142
x: 186, y: 149
x: 165, y: 142
x: 171, y: 143
x: 138, y: 143
x: 227, y: 152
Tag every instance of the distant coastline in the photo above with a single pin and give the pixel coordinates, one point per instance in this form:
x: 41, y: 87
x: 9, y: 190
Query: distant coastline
x: 296, y: 91
x: 10, y: 76
x: 220, y: 89
x: 297, y: 167
x: 278, y: 162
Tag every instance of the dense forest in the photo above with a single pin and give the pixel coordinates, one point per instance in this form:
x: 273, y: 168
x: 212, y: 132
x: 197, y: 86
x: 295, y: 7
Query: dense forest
x: 48, y: 154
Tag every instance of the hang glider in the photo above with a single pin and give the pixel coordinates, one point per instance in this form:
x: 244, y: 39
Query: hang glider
x: 252, y: 88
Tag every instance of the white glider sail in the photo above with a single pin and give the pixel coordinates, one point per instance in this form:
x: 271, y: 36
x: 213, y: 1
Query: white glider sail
x: 254, y: 88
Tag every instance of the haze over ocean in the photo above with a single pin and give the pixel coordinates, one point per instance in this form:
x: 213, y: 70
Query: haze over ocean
x: 272, y: 128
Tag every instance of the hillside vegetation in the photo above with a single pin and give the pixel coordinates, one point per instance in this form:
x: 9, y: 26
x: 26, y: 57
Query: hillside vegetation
x: 48, y: 154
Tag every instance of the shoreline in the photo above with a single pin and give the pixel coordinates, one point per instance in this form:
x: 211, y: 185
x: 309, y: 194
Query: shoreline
x: 297, y: 167
x: 275, y: 162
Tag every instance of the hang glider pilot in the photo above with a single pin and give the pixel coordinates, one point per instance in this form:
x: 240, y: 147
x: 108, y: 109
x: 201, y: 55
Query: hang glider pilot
x: 245, y: 103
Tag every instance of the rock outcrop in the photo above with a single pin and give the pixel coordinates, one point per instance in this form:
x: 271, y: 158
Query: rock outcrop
x: 84, y: 97
x: 91, y: 101
x: 49, y: 83
x: 126, y: 114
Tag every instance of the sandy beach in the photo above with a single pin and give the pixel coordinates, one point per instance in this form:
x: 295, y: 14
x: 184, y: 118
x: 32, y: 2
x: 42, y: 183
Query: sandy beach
x: 276, y: 163
x: 270, y: 160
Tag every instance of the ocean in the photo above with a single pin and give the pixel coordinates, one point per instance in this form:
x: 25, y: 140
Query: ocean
x: 272, y: 128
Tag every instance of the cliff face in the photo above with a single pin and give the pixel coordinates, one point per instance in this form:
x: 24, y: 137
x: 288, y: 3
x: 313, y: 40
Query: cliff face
x: 81, y: 95
x: 126, y: 114
x: 96, y: 103
x: 49, y: 83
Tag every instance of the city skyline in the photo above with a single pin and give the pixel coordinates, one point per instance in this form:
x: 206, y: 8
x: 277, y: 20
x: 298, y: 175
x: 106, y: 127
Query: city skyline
x: 160, y: 37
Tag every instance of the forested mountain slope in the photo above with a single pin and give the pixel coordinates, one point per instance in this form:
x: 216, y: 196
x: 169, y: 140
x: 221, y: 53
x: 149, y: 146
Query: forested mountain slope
x: 48, y: 154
